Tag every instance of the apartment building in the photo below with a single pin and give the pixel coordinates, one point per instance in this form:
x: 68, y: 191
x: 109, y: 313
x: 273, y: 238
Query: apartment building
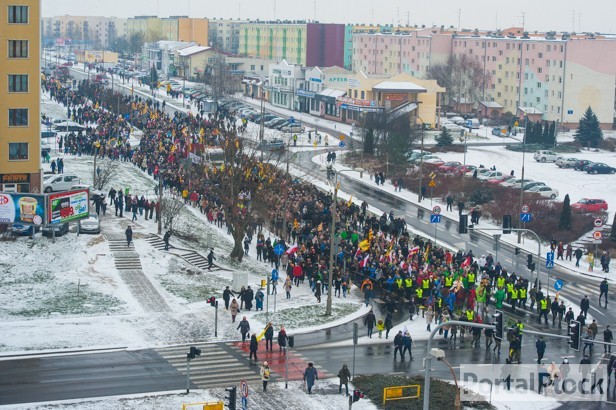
x: 224, y: 35
x: 92, y: 31
x: 20, y: 130
x: 182, y: 28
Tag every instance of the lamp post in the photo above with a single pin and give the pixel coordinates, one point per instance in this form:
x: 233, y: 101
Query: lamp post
x: 261, y: 122
x: 420, y: 160
x: 332, y: 236
x: 160, y: 199
x: 523, y: 141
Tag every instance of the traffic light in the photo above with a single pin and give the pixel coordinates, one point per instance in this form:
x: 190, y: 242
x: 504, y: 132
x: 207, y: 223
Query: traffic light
x: 532, y: 267
x: 357, y: 394
x: 529, y: 261
x: 291, y: 341
x: 506, y: 224
x: 193, y: 352
x: 575, y: 334
x: 517, y: 251
x: 231, y: 397
x: 463, y: 224
x: 498, y: 322
x: 212, y: 301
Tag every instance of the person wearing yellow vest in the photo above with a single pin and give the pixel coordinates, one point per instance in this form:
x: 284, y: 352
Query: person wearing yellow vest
x: 544, y: 308
x: 448, y: 281
x: 523, y: 296
x: 399, y: 283
x: 419, y: 301
x: 514, y: 298
x: 470, y: 315
x: 509, y: 289
x: 408, y: 287
x: 471, y: 279
x: 500, y: 282
x: 425, y: 284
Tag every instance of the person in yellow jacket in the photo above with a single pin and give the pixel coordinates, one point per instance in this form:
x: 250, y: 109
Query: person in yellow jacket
x: 380, y: 326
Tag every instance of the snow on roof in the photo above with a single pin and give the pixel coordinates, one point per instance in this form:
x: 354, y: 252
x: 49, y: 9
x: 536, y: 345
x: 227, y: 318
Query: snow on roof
x: 530, y: 110
x: 399, y: 86
x: 188, y: 51
x: 332, y: 92
x: 490, y: 104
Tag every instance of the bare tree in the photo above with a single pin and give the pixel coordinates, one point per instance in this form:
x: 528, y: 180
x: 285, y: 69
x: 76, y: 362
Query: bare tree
x: 105, y: 172
x: 219, y: 78
x: 462, y: 76
x: 169, y: 212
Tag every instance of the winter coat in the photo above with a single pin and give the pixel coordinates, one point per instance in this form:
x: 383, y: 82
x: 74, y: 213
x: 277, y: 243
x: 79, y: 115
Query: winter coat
x: 282, y: 338
x: 254, y: 345
x: 310, y: 375
x: 370, y: 320
x: 235, y: 308
x: 344, y: 375
x: 244, y: 326
x: 269, y: 333
x: 265, y: 373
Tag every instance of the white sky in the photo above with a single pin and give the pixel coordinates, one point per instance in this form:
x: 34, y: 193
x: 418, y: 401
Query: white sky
x: 543, y: 15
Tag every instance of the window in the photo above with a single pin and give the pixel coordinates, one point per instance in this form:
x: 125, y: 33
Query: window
x: 18, y: 14
x: 18, y: 117
x: 18, y: 83
x: 18, y: 151
x: 18, y: 48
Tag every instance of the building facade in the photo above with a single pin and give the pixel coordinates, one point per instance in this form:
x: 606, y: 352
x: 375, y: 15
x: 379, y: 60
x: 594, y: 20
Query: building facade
x: 274, y: 41
x: 20, y: 131
x: 91, y: 31
x: 224, y: 35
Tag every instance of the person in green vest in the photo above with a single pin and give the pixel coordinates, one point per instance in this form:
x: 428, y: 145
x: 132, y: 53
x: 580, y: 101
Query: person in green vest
x: 448, y: 281
x: 514, y: 298
x: 523, y: 296
x: 419, y: 301
x: 481, y: 299
x: 408, y: 287
x: 471, y: 278
x: 499, y: 297
x: 509, y: 287
x: 500, y: 282
x: 544, y: 308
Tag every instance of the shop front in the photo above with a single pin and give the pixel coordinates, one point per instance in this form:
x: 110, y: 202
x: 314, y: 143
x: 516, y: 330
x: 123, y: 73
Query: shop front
x: 327, y: 99
x: 304, y: 97
x: 20, y: 182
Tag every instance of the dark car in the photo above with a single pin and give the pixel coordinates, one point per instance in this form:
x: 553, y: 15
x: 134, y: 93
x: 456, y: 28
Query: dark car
x: 48, y: 134
x: 581, y: 165
x: 60, y: 229
x: 600, y: 168
x: 21, y: 229
x: 272, y: 145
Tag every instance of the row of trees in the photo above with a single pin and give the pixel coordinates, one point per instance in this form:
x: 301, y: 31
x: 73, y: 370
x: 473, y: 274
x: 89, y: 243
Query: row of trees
x: 542, y: 133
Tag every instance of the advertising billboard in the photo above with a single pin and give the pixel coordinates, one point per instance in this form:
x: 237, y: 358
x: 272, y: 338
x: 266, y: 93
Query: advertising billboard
x: 27, y: 209
x: 68, y: 206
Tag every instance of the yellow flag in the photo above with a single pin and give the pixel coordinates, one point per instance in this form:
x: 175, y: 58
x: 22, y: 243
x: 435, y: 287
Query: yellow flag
x: 364, y: 245
x: 262, y: 334
x: 350, y: 201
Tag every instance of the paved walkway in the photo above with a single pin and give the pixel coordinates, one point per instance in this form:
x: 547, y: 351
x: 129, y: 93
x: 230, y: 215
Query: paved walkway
x: 190, y: 256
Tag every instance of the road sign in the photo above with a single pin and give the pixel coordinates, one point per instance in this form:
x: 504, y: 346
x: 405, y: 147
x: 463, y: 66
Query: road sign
x: 436, y: 210
x: 432, y: 175
x: 526, y: 217
x: 279, y: 249
x: 570, y: 112
x: 525, y: 209
x: 341, y: 144
x: 435, y: 218
x: 549, y: 256
x: 558, y: 285
x: 597, y: 235
x: 342, y: 137
x: 598, y: 223
x: 469, y: 123
x: 432, y: 184
x: 291, y: 120
x: 244, y: 388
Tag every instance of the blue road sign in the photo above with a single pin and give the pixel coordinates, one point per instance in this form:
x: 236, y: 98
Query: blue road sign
x: 469, y: 123
x: 435, y: 218
x: 526, y: 217
x: 558, y: 285
x: 291, y: 120
x: 549, y: 264
x: 549, y: 256
x: 341, y: 144
x: 274, y: 275
x: 279, y: 249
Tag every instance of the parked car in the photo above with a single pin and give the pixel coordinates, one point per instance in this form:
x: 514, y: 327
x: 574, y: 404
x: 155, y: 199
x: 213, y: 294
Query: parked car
x: 491, y: 175
x: 45, y: 147
x: 498, y: 181
x: 600, y: 168
x: 480, y: 171
x: 515, y: 182
x: 582, y: 164
x: 457, y: 120
x: 449, y: 167
x: 60, y: 229
x: 61, y: 182
x: 589, y: 205
x: 68, y: 126
x: 465, y: 169
x: 433, y: 162
x: 48, y: 134
x: 275, y: 122
x: 453, y: 127
x: 544, y: 191
x: 500, y: 131
x: 532, y: 184
x: 546, y: 156
x: 271, y: 145
x: 566, y: 162
x: 89, y: 225
x: 293, y: 128
x: 22, y: 230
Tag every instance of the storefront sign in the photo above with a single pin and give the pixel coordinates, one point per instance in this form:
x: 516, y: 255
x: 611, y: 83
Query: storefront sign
x: 304, y: 93
x: 356, y: 102
x: 315, y: 80
x: 15, y: 178
x: 28, y: 209
x: 396, y: 97
x: 68, y: 206
x: 353, y: 83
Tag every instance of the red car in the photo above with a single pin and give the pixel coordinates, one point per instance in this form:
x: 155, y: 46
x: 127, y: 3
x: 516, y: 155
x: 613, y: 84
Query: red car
x: 449, y: 167
x: 500, y: 181
x: 463, y: 169
x: 590, y: 206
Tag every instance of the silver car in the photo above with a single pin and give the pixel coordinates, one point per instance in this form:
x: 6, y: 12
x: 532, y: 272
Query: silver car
x: 89, y: 225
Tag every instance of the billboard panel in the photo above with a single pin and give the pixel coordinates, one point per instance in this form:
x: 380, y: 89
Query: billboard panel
x: 68, y: 206
x: 28, y: 209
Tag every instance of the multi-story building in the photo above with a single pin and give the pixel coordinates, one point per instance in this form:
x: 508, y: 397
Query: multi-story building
x: 89, y: 31
x: 297, y: 42
x: 224, y: 35
x: 20, y: 129
x: 150, y: 28
x: 182, y: 28
x: 161, y: 55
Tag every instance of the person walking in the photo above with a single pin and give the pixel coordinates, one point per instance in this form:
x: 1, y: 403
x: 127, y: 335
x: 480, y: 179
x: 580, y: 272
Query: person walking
x: 282, y: 338
x: 603, y: 288
x: 210, y: 259
x: 129, y: 235
x: 226, y: 296
x: 389, y: 324
x: 310, y: 376
x: 540, y: 345
x: 269, y: 337
x: 244, y: 328
x: 584, y: 306
x: 608, y: 337
x: 344, y: 375
x: 588, y: 342
x: 166, y: 239
x: 398, y: 345
x: 369, y: 322
x: 265, y: 375
x: 380, y: 326
x: 407, y: 342
x: 235, y: 309
x: 254, y: 346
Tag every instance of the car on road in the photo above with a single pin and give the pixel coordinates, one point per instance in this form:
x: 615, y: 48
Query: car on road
x: 60, y: 182
x: 546, y: 156
x: 271, y: 145
x: 89, y: 225
x: 453, y: 127
x: 491, y: 175
x: 566, y: 162
x: 293, y: 128
x: 500, y: 132
x: 589, y: 205
x: 582, y: 164
x: 600, y: 168
x: 449, y: 167
x: 273, y: 123
x: 544, y: 191
x: 56, y: 230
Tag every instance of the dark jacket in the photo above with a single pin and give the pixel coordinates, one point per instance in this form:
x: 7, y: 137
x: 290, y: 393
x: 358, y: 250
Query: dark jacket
x: 254, y: 345
x: 344, y: 375
x: 244, y: 326
x: 269, y: 333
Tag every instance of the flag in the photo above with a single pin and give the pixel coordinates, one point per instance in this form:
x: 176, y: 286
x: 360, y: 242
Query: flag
x: 413, y: 251
x: 262, y: 334
x: 292, y: 249
x: 350, y: 201
x: 364, y: 262
x: 466, y: 262
x: 364, y: 245
x: 358, y: 252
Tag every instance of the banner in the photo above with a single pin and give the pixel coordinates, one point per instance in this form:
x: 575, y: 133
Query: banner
x: 68, y: 206
x: 28, y: 209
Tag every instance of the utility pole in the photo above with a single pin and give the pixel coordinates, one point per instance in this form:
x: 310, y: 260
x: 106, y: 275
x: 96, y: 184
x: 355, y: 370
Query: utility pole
x: 160, y: 200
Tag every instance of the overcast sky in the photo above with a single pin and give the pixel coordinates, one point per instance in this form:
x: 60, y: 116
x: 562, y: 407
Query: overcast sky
x: 542, y: 15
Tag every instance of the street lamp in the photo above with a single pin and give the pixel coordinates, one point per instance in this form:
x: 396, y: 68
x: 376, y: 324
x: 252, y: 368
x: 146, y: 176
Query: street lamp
x: 523, y: 141
x: 332, y: 236
x: 420, y: 159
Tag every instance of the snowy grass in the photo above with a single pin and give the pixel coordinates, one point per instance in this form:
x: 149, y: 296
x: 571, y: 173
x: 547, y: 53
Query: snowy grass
x: 307, y: 316
x: 190, y: 283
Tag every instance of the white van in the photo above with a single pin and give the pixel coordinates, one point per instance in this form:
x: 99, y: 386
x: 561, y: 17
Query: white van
x: 60, y: 182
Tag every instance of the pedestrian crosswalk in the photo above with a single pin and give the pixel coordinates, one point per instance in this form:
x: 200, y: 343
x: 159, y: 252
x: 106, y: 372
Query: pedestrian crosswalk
x: 217, y: 366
